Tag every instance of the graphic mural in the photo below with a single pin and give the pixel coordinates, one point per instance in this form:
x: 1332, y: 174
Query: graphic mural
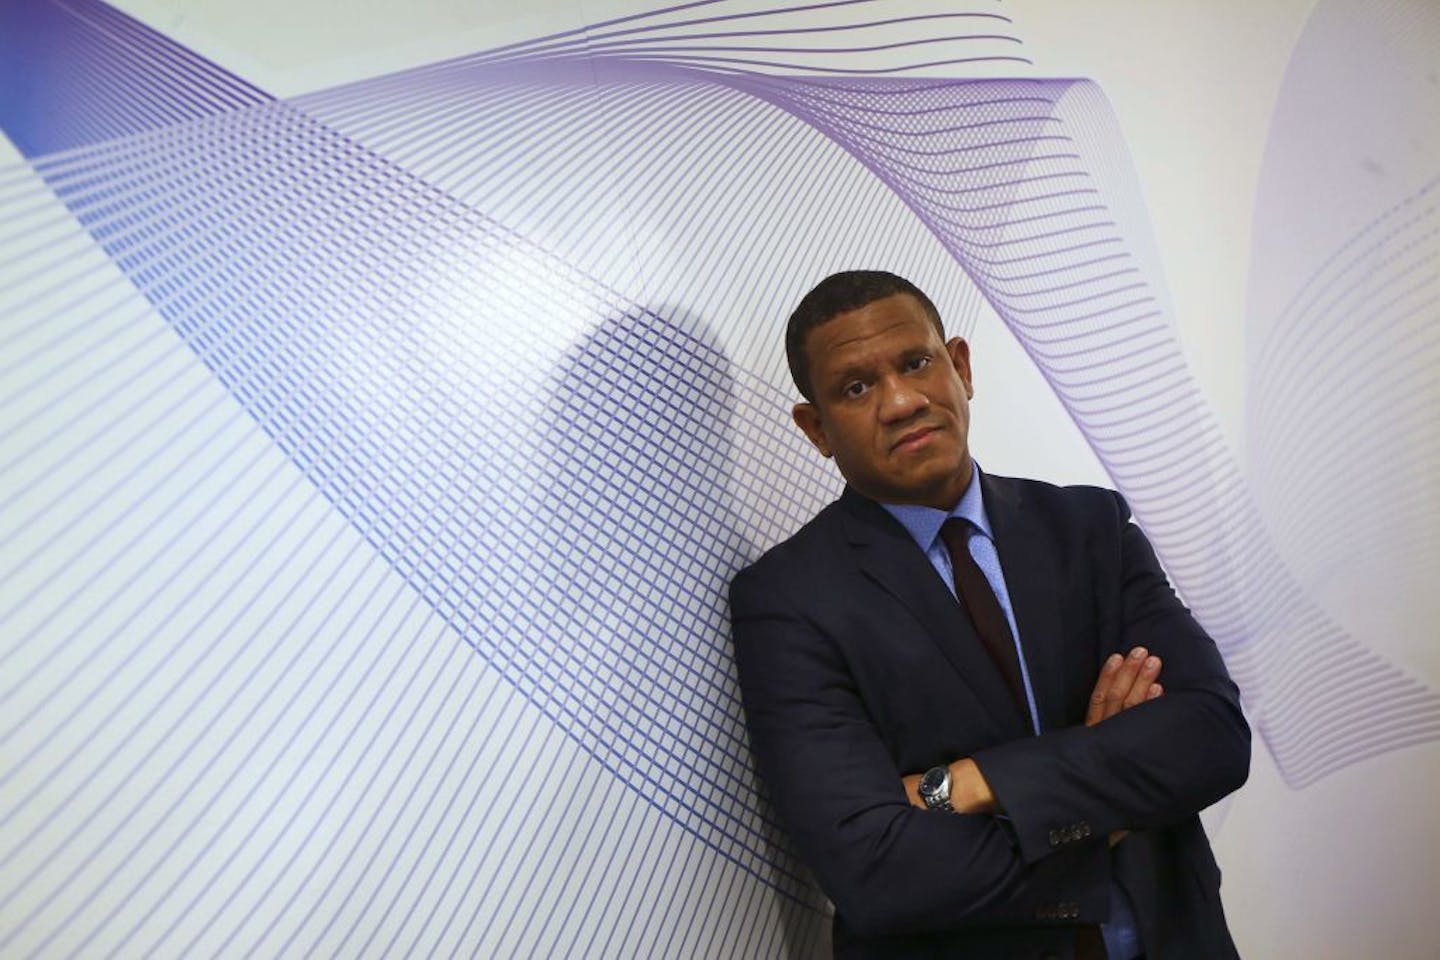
x: 375, y: 459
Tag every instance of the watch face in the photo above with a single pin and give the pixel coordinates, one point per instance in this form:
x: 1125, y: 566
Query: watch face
x: 933, y: 781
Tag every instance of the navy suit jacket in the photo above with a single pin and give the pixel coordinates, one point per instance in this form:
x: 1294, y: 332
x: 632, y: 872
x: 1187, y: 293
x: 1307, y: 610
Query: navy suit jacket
x: 857, y: 666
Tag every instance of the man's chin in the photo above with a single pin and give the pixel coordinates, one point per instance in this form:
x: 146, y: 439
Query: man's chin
x: 940, y: 489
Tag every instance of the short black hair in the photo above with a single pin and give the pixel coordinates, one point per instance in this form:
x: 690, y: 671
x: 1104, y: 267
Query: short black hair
x: 836, y: 294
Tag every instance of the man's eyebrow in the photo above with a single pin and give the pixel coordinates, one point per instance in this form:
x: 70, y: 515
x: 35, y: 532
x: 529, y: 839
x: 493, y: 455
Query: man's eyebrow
x: 855, y: 370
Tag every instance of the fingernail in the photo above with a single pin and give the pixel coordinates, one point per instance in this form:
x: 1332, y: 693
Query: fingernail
x: 1152, y: 664
x: 1138, y: 653
x: 1113, y: 661
x: 1155, y: 691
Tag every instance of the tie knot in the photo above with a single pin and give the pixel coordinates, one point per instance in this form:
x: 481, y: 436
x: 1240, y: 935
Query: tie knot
x: 956, y: 533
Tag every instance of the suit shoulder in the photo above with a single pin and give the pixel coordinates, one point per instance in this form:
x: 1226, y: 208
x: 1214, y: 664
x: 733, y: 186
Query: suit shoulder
x: 1074, y: 497
x: 808, y: 549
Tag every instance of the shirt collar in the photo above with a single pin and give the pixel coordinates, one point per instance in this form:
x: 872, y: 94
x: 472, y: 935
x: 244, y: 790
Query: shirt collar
x: 924, y: 523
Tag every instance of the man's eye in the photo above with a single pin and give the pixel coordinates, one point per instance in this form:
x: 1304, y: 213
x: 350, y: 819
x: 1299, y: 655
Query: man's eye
x: 917, y: 363
x: 855, y: 388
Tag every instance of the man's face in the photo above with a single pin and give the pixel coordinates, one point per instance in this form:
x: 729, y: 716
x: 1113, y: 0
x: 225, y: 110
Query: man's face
x: 892, y: 403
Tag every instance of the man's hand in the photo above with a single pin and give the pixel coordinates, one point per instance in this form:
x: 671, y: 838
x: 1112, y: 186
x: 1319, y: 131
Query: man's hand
x: 1124, y: 682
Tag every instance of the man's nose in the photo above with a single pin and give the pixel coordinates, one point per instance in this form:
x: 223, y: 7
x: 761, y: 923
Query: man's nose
x: 900, y: 400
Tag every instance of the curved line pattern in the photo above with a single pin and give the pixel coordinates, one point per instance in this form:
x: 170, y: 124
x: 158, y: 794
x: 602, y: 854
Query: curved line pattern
x: 79, y: 72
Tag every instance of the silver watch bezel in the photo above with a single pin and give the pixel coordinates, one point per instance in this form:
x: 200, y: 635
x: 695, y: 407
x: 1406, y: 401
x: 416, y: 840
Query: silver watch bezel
x: 937, y: 797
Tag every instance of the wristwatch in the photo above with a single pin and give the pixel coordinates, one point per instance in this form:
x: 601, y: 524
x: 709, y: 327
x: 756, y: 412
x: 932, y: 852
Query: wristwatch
x: 934, y: 789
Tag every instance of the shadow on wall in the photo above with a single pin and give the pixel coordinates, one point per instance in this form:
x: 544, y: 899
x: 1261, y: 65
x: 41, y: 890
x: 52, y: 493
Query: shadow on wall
x: 642, y: 544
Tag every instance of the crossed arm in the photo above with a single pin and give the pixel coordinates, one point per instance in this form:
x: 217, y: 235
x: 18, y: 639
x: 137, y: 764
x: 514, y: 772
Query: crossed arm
x: 1124, y: 682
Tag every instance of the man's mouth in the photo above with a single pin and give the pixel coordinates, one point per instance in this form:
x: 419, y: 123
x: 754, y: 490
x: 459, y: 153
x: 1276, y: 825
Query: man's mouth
x: 913, y: 439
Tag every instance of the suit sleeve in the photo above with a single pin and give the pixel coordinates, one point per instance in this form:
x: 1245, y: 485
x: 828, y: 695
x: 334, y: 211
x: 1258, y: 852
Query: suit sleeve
x: 1151, y: 765
x: 889, y: 867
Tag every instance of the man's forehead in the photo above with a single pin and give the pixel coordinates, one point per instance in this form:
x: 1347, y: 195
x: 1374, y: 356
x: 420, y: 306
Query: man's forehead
x: 876, y: 323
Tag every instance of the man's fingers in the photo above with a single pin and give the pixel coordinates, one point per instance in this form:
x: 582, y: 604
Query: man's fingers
x: 1095, y: 712
x: 1123, y: 683
x: 1123, y: 680
x: 1140, y: 686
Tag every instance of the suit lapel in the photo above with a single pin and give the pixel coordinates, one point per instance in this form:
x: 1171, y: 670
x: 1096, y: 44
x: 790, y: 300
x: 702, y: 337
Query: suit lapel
x: 1032, y: 579
x: 888, y: 555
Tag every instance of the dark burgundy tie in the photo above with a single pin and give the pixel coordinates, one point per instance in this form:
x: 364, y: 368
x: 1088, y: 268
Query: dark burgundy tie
x: 983, y: 609
x: 989, y: 621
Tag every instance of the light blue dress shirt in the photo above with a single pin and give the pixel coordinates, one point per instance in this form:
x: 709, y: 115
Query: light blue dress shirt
x: 1122, y: 939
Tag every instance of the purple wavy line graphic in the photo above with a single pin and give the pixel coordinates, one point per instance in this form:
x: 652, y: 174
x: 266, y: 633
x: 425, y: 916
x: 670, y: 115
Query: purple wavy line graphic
x: 80, y: 72
x: 348, y: 265
x: 1343, y: 350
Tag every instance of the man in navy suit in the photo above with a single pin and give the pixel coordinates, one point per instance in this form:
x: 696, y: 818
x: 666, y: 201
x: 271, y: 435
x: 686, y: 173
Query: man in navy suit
x: 953, y: 680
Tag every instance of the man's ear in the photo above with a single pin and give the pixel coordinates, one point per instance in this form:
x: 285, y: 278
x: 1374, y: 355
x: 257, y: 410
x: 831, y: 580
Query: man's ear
x: 807, y: 418
x: 959, y: 352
